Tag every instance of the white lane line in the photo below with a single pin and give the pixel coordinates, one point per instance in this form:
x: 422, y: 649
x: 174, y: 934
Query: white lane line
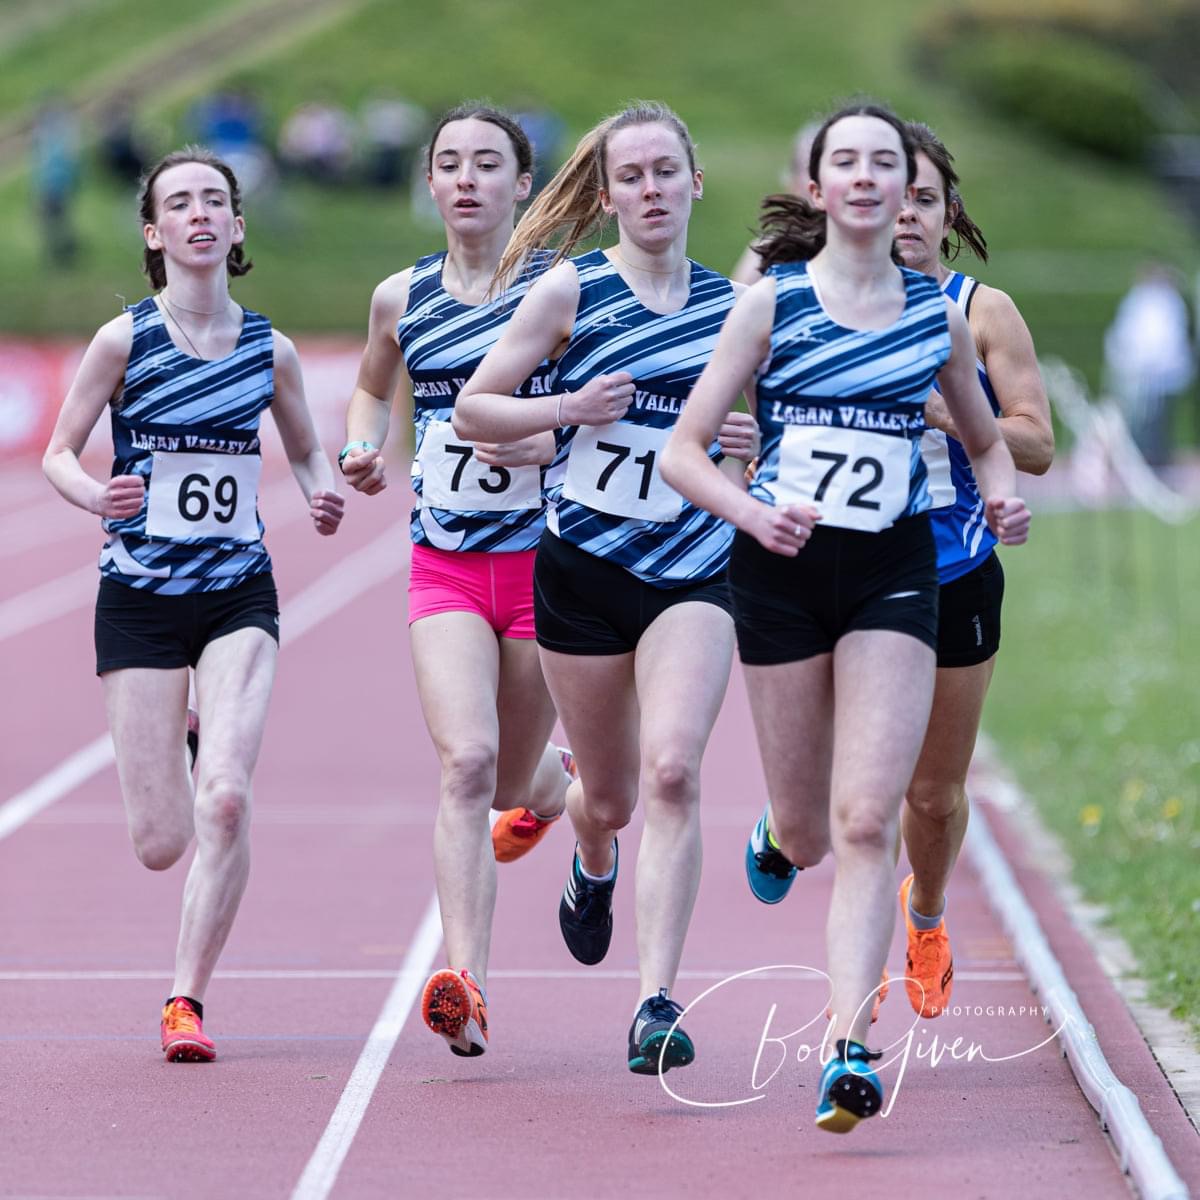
x: 67, y: 776
x: 56, y: 597
x: 322, y: 1170
x: 34, y: 975
x: 355, y: 574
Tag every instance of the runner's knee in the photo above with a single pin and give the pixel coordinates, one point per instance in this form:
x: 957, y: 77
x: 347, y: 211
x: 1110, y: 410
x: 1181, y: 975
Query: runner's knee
x: 936, y: 799
x: 222, y: 808
x: 673, y: 779
x: 468, y: 771
x: 865, y: 831
x: 157, y: 847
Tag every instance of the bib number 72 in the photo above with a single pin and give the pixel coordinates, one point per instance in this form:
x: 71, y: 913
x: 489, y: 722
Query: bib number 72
x: 858, y: 480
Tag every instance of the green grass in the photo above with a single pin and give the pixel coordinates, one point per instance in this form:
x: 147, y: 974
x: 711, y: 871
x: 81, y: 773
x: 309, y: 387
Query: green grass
x: 1066, y: 229
x: 84, y: 42
x: 1095, y: 706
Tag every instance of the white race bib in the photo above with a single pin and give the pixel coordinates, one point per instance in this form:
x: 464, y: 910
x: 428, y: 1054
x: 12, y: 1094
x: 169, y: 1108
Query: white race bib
x: 936, y: 453
x: 614, y: 469
x: 855, y: 479
x: 204, y: 495
x: 452, y: 477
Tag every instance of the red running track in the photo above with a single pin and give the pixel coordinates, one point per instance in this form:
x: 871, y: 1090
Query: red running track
x: 340, y: 885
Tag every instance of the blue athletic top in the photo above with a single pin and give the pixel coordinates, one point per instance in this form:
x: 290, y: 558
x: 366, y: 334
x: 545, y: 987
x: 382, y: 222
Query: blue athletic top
x: 959, y: 529
x: 612, y: 501
x: 841, y: 411
x: 461, y: 503
x: 190, y: 428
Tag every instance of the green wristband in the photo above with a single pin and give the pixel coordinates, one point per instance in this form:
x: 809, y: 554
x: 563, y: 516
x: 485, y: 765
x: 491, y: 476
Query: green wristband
x: 351, y: 446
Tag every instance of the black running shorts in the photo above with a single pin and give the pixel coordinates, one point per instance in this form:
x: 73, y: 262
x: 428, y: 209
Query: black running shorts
x: 969, y: 615
x: 586, y: 605
x: 136, y: 628
x: 788, y: 609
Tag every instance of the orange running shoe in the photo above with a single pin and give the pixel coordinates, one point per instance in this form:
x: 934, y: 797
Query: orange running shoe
x: 518, y: 830
x: 929, y: 972
x: 881, y: 993
x: 183, y: 1037
x: 453, y: 1005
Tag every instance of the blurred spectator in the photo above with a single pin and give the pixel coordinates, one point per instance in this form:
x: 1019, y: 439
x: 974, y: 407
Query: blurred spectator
x: 120, y: 149
x: 55, y: 147
x: 1149, y: 359
x: 230, y: 123
x: 317, y: 141
x: 394, y: 130
x: 545, y: 129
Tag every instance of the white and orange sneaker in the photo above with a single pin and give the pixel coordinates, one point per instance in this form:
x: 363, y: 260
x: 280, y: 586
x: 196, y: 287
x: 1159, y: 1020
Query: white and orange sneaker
x: 454, y: 1006
x: 183, y: 1037
x: 518, y: 830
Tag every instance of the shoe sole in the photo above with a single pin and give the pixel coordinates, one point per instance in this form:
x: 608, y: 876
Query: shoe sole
x: 191, y: 1052
x: 447, y: 1010
x: 851, y: 1099
x: 678, y: 1052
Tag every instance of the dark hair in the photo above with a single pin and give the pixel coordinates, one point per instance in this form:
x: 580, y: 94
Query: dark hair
x: 236, y: 262
x: 965, y: 230
x: 474, y: 110
x: 570, y: 202
x: 792, y: 228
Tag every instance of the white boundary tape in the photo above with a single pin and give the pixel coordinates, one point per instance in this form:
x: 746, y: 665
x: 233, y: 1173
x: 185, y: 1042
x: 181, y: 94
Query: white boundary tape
x: 1139, y: 1148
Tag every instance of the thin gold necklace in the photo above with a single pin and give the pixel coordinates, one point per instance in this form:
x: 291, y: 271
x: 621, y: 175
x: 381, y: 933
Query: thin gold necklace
x: 179, y: 326
x: 196, y: 312
x: 647, y: 270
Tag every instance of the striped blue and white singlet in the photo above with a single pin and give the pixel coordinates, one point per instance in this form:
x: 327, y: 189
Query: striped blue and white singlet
x: 613, y: 502
x: 842, y: 410
x: 463, y: 504
x: 189, y: 426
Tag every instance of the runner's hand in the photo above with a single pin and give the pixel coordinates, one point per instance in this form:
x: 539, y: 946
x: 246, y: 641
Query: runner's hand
x: 599, y: 402
x: 783, y: 530
x: 326, y: 510
x: 365, y: 471
x: 1008, y: 519
x: 738, y: 437
x: 122, y: 497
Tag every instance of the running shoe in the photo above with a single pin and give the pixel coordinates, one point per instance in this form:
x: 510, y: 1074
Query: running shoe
x: 585, y: 912
x: 193, y: 736
x: 656, y: 1043
x: 183, y: 1037
x: 768, y: 870
x: 453, y: 1005
x: 929, y: 970
x: 518, y: 830
x: 881, y: 994
x: 850, y: 1090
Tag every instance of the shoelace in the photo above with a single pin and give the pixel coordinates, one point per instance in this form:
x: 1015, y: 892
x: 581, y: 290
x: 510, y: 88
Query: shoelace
x: 661, y: 1008
x: 772, y: 862
x: 181, y: 1019
x: 591, y: 901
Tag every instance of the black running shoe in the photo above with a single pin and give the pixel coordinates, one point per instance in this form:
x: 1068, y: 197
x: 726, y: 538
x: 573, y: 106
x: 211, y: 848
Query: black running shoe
x: 652, y: 1040
x: 585, y: 913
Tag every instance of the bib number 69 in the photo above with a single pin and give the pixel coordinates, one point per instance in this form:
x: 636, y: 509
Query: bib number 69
x: 194, y: 503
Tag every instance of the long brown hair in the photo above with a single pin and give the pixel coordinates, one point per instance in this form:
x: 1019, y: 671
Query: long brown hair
x: 792, y: 228
x: 963, y: 229
x: 236, y: 262
x: 568, y: 207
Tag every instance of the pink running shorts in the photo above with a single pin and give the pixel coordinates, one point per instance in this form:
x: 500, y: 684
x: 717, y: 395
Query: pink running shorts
x: 499, y: 587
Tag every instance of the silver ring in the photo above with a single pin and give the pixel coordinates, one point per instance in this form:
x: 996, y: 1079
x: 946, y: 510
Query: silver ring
x: 798, y: 531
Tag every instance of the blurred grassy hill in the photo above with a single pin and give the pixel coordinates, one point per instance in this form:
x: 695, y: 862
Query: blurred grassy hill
x: 1067, y: 229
